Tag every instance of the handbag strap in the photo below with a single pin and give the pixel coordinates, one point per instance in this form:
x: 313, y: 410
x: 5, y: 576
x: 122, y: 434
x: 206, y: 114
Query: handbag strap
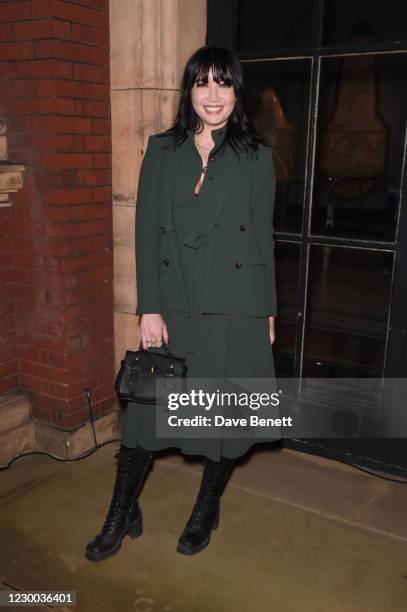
x: 164, y: 346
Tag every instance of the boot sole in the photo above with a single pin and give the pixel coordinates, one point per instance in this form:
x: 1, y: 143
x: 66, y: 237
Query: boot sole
x: 134, y: 531
x: 184, y: 549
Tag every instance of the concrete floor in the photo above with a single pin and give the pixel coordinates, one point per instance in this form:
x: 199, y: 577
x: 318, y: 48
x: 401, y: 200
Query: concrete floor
x: 297, y: 533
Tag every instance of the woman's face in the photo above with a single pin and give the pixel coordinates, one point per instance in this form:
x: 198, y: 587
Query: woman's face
x: 213, y: 102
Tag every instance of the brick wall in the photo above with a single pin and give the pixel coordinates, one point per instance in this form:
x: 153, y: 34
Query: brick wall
x: 56, y: 240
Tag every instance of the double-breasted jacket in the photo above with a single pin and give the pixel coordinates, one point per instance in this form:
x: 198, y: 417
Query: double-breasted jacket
x: 238, y: 223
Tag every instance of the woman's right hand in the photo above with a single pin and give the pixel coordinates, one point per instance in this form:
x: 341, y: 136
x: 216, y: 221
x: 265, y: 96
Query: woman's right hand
x: 153, y: 330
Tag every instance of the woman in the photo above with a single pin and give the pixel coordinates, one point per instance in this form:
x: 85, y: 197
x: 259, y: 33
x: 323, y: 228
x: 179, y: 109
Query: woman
x: 205, y: 278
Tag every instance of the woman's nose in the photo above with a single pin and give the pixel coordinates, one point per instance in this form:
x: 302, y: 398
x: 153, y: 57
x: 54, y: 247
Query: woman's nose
x: 213, y: 92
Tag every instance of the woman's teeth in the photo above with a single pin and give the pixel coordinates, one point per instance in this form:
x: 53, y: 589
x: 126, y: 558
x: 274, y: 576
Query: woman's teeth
x: 213, y: 110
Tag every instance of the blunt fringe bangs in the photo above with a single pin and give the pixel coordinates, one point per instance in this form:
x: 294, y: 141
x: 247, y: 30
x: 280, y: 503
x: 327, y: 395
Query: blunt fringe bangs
x: 240, y: 132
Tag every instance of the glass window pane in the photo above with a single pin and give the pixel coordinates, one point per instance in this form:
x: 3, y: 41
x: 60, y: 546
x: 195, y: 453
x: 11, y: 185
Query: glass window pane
x: 360, y: 139
x: 364, y: 21
x: 347, y: 310
x: 278, y: 105
x: 263, y: 25
x: 288, y: 259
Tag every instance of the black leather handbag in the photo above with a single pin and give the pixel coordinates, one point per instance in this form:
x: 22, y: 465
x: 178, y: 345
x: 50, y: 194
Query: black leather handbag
x: 148, y: 377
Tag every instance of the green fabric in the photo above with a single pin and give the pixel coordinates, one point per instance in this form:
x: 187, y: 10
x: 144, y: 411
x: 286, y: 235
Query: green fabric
x: 238, y: 192
x: 215, y: 345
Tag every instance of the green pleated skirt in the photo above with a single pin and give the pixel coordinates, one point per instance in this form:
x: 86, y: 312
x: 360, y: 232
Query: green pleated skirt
x: 218, y: 346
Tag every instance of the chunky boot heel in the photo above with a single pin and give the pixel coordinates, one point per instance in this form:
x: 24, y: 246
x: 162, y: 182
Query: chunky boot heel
x: 124, y: 514
x: 136, y: 529
x: 205, y: 513
x: 216, y: 522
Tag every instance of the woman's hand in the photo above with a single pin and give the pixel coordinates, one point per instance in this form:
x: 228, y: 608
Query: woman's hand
x: 271, y: 329
x: 153, y: 330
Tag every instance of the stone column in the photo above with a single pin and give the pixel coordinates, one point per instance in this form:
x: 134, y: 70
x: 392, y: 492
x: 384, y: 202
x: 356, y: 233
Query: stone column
x: 150, y: 43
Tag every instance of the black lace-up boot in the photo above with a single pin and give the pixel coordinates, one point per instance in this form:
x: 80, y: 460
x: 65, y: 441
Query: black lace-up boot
x: 205, y: 513
x: 124, y: 515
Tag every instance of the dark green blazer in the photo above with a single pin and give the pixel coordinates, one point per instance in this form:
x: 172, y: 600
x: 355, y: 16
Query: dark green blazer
x: 240, y: 278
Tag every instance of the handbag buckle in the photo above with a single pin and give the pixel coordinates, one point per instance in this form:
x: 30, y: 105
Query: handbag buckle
x: 152, y: 368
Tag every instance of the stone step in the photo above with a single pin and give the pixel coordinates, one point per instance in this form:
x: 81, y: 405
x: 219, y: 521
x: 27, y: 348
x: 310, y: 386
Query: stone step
x: 15, y: 410
x: 16, y: 427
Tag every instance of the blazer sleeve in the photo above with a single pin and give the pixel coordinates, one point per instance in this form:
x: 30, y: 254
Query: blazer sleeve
x: 147, y: 231
x: 263, y: 212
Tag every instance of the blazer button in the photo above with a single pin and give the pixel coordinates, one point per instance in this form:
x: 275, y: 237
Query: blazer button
x: 242, y: 227
x: 210, y: 178
x: 238, y: 264
x: 162, y: 228
x: 166, y: 262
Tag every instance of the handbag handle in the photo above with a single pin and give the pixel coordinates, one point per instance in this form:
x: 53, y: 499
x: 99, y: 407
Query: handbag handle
x: 164, y: 346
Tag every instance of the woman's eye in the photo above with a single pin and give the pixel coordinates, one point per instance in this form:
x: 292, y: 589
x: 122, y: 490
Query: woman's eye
x: 200, y: 83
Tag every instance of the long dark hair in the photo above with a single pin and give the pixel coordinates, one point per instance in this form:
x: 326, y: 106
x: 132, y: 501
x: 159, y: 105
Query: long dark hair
x: 240, y: 132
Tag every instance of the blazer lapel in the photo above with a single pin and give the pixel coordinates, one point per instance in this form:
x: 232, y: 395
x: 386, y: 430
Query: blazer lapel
x: 171, y: 166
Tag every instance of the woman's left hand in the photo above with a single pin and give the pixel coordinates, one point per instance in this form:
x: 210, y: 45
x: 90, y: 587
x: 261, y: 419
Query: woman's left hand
x: 271, y: 329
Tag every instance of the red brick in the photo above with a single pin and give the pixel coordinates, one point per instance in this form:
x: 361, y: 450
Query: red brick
x: 30, y: 293
x: 79, y: 229
x: 47, y: 88
x: 29, y: 353
x: 95, y: 74
x: 64, y: 125
x: 96, y: 108
x: 94, y: 177
x: 44, y: 68
x: 8, y: 338
x: 9, y: 384
x: 67, y: 160
x: 16, y: 50
x: 38, y: 370
x: 74, y: 12
x: 8, y: 353
x: 76, y: 419
x: 68, y: 196
x: 58, y: 214
x: 99, y: 56
x: 57, y: 360
x: 101, y: 126
x: 7, y: 70
x: 92, y: 211
x: 90, y: 35
x: 98, y: 143
x: 32, y: 106
x: 99, y: 19
x: 53, y: 142
x: 13, y: 11
x: 90, y: 277
x: 6, y: 275
x: 80, y: 262
x: 6, y: 31
x: 100, y: 91
x: 101, y: 5
x: 9, y: 368
x: 73, y: 89
x: 28, y: 261
x: 75, y: 52
x: 102, y: 194
x: 42, y: 28
x: 43, y: 8
x: 102, y: 160
x: 78, y: 110
x: 40, y: 341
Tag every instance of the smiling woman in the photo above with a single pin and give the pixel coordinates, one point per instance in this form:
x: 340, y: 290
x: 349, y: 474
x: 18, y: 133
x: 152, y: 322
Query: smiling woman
x: 205, y: 277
